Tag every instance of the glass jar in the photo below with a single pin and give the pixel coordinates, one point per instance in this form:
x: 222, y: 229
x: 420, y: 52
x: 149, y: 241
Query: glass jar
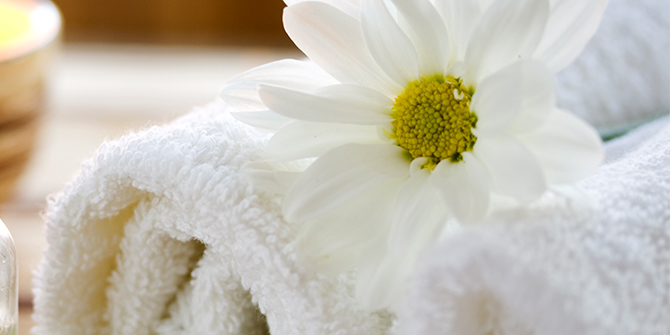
x: 9, y: 293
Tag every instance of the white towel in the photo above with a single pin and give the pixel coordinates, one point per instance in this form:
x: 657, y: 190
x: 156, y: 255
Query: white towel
x: 623, y: 75
x: 561, y: 267
x: 160, y: 234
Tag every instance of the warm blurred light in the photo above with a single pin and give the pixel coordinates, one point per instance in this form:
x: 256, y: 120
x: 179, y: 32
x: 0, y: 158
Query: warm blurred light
x: 175, y: 22
x: 26, y: 25
x: 14, y: 22
x: 28, y: 35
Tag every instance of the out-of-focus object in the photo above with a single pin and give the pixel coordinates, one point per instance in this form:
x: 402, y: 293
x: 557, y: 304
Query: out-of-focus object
x: 28, y: 31
x: 9, y: 293
x: 172, y: 22
x: 622, y: 78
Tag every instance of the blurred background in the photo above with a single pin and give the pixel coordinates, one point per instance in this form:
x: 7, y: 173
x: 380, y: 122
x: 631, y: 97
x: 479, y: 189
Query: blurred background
x: 175, y: 22
x: 116, y: 67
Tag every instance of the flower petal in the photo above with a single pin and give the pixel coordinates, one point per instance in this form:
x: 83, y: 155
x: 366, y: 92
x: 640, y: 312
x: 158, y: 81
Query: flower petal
x: 265, y: 119
x: 351, y: 7
x: 272, y: 177
x: 301, y: 139
x: 485, y: 4
x: 568, y: 148
x: 417, y: 221
x: 351, y: 104
x: 427, y: 31
x: 388, y: 44
x: 340, y: 174
x: 508, y: 30
x: 332, y: 260
x: 417, y: 200
x: 464, y: 187
x: 334, y: 40
x: 516, y: 98
x: 241, y: 92
x: 461, y: 17
x: 352, y: 234
x: 513, y: 169
x: 572, y: 23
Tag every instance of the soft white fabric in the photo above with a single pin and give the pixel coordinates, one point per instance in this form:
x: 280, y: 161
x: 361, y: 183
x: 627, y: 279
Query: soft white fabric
x: 160, y: 234
x: 563, y: 267
x: 623, y: 74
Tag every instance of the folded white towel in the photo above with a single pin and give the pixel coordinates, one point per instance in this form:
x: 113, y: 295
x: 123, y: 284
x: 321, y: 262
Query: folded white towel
x: 561, y: 267
x: 160, y: 234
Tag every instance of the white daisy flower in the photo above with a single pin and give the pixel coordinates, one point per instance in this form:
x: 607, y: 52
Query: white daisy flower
x: 414, y: 112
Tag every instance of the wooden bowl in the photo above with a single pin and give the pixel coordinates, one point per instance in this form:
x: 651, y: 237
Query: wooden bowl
x: 24, y: 60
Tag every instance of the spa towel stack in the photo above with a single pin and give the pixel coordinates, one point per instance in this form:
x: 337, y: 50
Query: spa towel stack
x: 160, y: 233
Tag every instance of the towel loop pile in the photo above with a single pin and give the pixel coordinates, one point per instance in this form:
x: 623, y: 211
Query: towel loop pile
x: 160, y: 234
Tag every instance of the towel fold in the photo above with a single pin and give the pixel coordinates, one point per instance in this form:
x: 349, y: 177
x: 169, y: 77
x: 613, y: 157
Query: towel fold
x: 561, y: 267
x: 160, y: 234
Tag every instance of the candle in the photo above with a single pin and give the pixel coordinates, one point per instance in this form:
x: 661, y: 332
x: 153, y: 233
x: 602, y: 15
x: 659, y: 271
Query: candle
x: 26, y: 25
x: 14, y: 22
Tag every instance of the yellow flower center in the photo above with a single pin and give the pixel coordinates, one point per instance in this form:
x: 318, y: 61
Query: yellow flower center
x: 432, y: 119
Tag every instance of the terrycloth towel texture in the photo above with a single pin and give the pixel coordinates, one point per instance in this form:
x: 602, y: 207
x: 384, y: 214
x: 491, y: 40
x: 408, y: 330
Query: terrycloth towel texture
x: 562, y: 267
x: 160, y: 234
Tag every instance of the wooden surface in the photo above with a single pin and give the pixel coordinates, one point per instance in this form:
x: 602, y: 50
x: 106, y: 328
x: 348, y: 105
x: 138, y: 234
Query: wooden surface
x: 100, y: 92
x: 256, y: 22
